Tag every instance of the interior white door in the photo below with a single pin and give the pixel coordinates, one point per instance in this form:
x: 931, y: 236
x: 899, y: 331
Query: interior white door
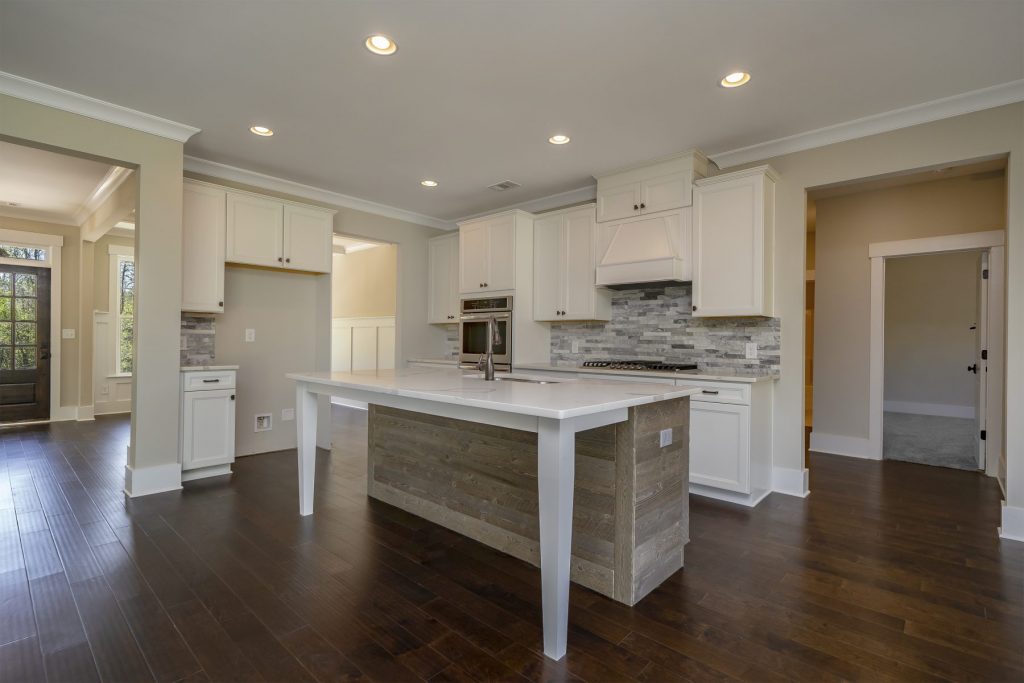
x: 254, y: 228
x: 473, y: 257
x: 578, y: 231
x: 981, y: 357
x: 307, y: 239
x: 203, y: 220
x: 209, y: 419
x: 720, y: 445
x: 501, y: 249
x: 547, y: 270
x: 618, y: 201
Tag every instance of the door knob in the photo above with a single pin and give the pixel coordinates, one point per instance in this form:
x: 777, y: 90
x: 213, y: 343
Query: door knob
x: 973, y: 368
x: 44, y: 356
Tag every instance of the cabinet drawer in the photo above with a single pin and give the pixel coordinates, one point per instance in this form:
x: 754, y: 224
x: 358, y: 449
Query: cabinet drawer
x: 208, y: 379
x: 719, y: 392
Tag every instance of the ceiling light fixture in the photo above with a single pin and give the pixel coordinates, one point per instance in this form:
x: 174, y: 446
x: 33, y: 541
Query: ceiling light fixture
x: 380, y: 44
x: 558, y: 139
x: 428, y: 183
x: 735, y: 79
x: 262, y: 131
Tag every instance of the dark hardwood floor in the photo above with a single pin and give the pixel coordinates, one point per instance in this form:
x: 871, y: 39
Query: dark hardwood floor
x: 888, y: 571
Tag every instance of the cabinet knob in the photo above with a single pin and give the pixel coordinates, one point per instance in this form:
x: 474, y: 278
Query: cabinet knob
x: 232, y: 397
x: 288, y: 260
x: 221, y: 304
x: 636, y: 207
x: 642, y: 205
x: 695, y: 308
x: 280, y: 260
x: 485, y: 284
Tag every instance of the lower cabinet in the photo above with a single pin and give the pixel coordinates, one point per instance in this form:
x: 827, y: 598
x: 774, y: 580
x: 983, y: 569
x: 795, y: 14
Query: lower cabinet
x: 720, y: 445
x: 207, y: 423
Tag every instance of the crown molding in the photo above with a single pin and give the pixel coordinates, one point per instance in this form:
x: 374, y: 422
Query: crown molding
x: 101, y: 193
x: 926, y: 112
x: 267, y: 182
x: 550, y: 202
x: 65, y: 100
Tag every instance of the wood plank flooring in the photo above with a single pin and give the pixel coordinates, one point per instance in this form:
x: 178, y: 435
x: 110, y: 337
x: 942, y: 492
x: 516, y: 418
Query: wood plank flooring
x: 888, y: 571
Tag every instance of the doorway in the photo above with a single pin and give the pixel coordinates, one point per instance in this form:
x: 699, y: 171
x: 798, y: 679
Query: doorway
x: 24, y: 338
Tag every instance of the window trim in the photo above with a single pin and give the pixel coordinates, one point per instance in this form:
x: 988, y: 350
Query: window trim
x: 117, y: 254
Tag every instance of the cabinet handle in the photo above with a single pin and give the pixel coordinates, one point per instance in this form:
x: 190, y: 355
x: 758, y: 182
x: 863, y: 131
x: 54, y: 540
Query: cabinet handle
x: 210, y: 381
x: 709, y: 391
x: 232, y: 397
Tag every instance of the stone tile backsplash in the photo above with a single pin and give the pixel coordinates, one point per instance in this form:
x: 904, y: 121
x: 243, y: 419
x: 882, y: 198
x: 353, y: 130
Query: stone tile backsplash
x: 198, y: 333
x: 655, y: 323
x: 452, y: 341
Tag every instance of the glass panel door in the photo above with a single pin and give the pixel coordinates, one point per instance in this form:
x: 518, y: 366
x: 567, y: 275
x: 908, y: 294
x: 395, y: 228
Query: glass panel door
x: 24, y: 343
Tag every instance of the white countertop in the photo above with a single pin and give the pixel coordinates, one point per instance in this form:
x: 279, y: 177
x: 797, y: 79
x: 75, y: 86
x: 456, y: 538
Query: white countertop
x: 434, y: 361
x: 559, y: 400
x: 202, y: 368
x: 748, y: 379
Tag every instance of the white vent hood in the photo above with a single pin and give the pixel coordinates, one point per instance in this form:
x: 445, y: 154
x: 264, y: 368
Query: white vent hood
x: 645, y: 249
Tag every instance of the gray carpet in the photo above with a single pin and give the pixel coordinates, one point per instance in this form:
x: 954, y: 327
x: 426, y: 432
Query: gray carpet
x: 930, y: 440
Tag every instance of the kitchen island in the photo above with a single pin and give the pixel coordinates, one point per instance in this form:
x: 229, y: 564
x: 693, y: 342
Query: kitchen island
x: 453, y: 448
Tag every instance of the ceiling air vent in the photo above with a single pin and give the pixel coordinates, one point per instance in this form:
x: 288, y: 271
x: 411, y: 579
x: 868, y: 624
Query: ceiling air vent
x: 504, y: 185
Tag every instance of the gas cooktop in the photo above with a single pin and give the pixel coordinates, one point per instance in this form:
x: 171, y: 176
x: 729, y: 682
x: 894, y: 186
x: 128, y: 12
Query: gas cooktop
x: 651, y: 365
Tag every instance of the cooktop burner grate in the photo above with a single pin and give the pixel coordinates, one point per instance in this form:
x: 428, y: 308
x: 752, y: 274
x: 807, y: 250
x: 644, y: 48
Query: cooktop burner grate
x: 652, y: 365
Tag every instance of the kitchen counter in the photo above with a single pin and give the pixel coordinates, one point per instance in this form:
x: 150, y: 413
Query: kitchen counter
x: 435, y: 361
x: 695, y: 374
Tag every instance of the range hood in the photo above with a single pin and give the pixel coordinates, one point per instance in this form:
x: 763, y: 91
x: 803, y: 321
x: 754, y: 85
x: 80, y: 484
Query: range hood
x: 645, y: 250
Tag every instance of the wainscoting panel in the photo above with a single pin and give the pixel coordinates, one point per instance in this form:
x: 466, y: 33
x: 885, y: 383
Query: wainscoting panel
x: 362, y: 344
x: 111, y: 394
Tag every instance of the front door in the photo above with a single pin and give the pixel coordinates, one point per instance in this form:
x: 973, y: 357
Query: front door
x: 24, y: 343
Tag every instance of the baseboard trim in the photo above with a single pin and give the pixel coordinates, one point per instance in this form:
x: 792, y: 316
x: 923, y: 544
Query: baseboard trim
x: 934, y: 409
x: 112, y: 407
x: 204, y: 472
x: 837, y: 444
x: 791, y: 482
x: 85, y: 413
x: 746, y: 499
x: 1013, y: 523
x: 146, y: 481
x: 64, y: 413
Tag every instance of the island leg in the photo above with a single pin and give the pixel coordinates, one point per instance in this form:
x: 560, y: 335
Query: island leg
x: 556, y: 463
x: 305, y: 422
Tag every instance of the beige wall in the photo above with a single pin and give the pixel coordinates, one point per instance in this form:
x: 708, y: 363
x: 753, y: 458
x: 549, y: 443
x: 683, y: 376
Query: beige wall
x: 982, y: 134
x: 364, y: 283
x: 153, y: 450
x: 931, y: 304
x: 846, y: 225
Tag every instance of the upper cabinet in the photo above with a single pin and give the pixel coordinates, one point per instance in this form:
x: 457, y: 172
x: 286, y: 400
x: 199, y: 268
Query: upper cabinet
x: 564, y: 245
x: 487, y: 251
x: 202, y: 248
x: 443, y: 279
x: 733, y: 232
x: 651, y: 188
x: 263, y: 231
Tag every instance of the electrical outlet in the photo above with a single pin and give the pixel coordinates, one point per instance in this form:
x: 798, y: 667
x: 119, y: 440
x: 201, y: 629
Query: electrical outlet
x: 264, y: 422
x: 250, y: 334
x: 67, y: 334
x: 666, y: 437
x: 575, y: 345
x: 751, y: 351
x: 287, y: 414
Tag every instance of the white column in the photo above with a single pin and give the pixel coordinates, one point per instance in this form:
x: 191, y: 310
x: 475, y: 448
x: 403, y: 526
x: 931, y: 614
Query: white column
x: 556, y: 461
x: 305, y: 422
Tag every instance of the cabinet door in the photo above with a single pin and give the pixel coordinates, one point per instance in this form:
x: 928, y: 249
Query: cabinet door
x: 208, y: 418
x: 501, y: 247
x: 254, y: 227
x: 720, y: 446
x: 202, y: 248
x: 441, y: 255
x: 307, y: 239
x: 618, y: 201
x: 578, y: 284
x: 728, y: 248
x: 547, y: 268
x: 671, y: 191
x: 473, y: 257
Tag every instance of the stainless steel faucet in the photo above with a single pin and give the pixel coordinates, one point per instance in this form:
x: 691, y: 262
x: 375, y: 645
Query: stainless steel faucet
x: 486, y: 364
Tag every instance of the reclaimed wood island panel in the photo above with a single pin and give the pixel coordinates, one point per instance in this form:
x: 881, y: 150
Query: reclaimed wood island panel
x: 630, y: 513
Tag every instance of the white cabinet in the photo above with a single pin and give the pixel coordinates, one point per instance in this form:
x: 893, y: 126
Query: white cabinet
x: 207, y: 423
x: 649, y: 188
x: 563, y: 268
x: 443, y: 279
x: 202, y: 248
x: 487, y: 252
x: 263, y: 231
x: 733, y: 229
x: 720, y: 445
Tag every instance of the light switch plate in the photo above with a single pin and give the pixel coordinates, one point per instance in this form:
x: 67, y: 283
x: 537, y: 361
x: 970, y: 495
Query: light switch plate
x: 287, y: 414
x: 751, y: 351
x: 666, y: 437
x: 250, y: 334
x: 67, y: 334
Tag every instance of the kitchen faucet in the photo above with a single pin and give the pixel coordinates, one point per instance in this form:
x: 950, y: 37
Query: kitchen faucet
x: 486, y: 364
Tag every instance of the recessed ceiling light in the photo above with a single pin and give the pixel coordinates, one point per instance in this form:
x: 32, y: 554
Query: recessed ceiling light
x: 428, y: 183
x: 380, y: 44
x: 735, y: 79
x: 558, y: 139
x: 262, y: 131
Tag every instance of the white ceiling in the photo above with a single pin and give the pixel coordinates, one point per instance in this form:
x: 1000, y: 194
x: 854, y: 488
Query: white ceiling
x: 48, y: 186
x: 477, y: 87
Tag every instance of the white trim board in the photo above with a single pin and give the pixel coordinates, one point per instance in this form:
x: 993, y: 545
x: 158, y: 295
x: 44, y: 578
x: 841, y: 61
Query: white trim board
x: 837, y: 444
x: 317, y: 194
x: 1013, y: 523
x: 76, y: 103
x: 935, y: 409
x: 884, y: 122
x: 791, y: 482
x: 149, y: 480
x: 937, y: 245
x: 113, y: 179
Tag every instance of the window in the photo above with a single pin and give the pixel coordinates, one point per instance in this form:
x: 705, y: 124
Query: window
x: 12, y: 253
x: 124, y: 288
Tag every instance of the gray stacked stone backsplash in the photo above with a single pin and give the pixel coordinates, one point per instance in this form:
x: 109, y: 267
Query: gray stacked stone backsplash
x: 452, y: 341
x: 655, y: 323
x: 198, y: 333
